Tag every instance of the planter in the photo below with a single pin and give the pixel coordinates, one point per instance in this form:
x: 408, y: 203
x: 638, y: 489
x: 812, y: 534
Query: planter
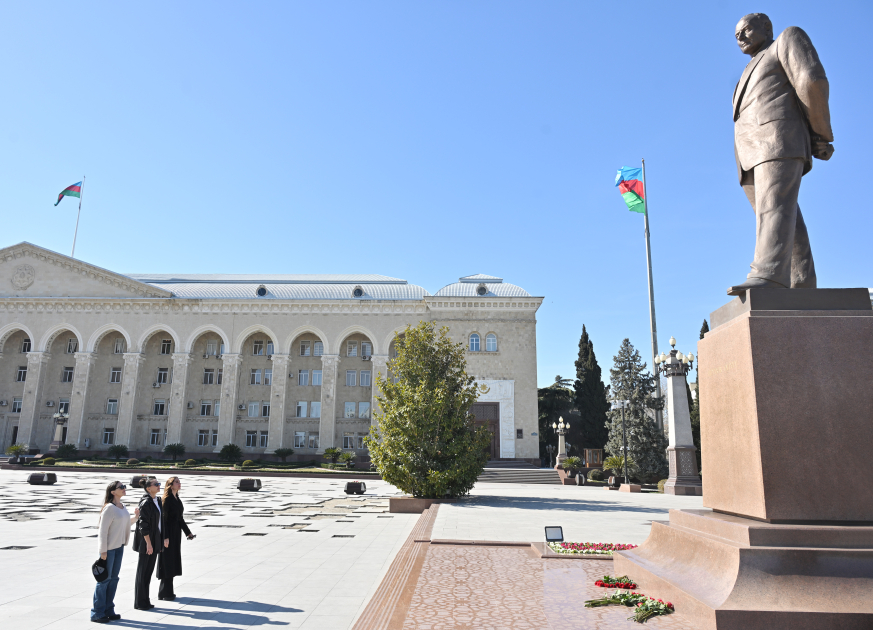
x: 356, y: 487
x: 42, y: 479
x: 412, y: 505
x: 580, y: 480
x: 571, y: 473
x: 249, y: 485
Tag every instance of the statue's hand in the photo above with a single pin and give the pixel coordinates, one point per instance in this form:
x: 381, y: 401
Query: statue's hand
x: 821, y: 149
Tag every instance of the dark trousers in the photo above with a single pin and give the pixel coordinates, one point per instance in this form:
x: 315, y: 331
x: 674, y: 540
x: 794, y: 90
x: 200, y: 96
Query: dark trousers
x: 166, y: 588
x: 144, y: 570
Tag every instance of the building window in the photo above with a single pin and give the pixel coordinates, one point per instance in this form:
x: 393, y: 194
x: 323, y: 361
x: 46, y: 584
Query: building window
x: 166, y: 346
x: 205, y: 407
x: 268, y: 377
x: 474, y: 342
x: 203, y: 437
x: 519, y: 434
x: 155, y: 438
x: 160, y: 408
x: 317, y: 349
x: 115, y: 375
x: 258, y: 348
x: 67, y: 375
x: 255, y: 377
x: 361, y: 437
x: 315, y: 410
x: 366, y: 349
x: 300, y: 439
x: 211, y: 350
x: 352, y: 349
x: 265, y: 409
x: 208, y: 377
x: 313, y: 440
x: 220, y: 373
x: 304, y: 348
x: 270, y: 348
x: 303, y: 377
x: 112, y: 406
x: 365, y: 378
x: 264, y: 437
x: 22, y: 374
x: 163, y: 376
x: 364, y: 410
x: 216, y: 408
x: 350, y: 410
x: 64, y: 405
x: 72, y: 346
x: 214, y: 437
x: 109, y: 435
x: 316, y: 377
x: 490, y: 342
x: 351, y: 378
x: 301, y: 409
x: 348, y: 440
x: 254, y: 408
x: 251, y: 438
x: 119, y: 345
x: 25, y: 345
x: 16, y: 405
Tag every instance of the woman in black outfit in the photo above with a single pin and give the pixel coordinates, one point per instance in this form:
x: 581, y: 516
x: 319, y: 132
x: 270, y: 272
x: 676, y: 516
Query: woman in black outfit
x: 170, y: 562
x: 147, y: 542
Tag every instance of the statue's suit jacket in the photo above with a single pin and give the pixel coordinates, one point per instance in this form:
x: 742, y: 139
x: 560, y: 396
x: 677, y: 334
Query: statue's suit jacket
x: 781, y: 97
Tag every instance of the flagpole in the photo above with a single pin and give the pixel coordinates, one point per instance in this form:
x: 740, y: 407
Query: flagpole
x: 82, y: 194
x: 659, y: 419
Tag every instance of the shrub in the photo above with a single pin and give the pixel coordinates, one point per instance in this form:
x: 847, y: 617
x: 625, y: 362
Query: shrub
x: 661, y: 485
x: 248, y: 462
x: 190, y: 462
x: 616, y: 465
x: 282, y: 453
x: 67, y: 451
x: 133, y: 461
x: 17, y: 450
x: 230, y: 453
x: 48, y: 461
x: 118, y: 451
x: 333, y: 454
x: 175, y: 450
x: 348, y: 458
x: 572, y: 463
x: 595, y: 475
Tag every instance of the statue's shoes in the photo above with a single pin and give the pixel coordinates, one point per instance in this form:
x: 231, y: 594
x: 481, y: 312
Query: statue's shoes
x: 754, y: 283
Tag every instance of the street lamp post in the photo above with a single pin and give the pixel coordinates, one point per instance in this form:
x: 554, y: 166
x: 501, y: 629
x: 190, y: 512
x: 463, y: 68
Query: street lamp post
x: 562, y: 428
x: 550, y: 449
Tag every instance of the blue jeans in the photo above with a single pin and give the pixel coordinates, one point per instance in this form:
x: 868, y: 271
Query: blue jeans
x: 104, y: 592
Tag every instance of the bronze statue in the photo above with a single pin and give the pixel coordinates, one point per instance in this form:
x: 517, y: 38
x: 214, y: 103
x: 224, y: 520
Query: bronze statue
x: 781, y: 121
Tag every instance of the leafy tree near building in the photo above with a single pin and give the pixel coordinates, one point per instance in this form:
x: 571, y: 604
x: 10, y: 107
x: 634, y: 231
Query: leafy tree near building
x: 175, y: 450
x: 647, y: 445
x: 425, y: 441
x: 591, y: 396
x: 118, y: 451
x: 553, y: 402
x: 284, y: 453
x: 230, y: 453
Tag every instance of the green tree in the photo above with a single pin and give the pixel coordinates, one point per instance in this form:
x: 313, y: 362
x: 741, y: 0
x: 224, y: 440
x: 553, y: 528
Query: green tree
x: 425, y: 441
x: 333, y: 454
x: 647, y: 445
x: 118, y: 451
x: 553, y: 402
x: 67, y: 451
x: 695, y: 407
x: 175, y: 450
x: 283, y: 453
x: 230, y: 453
x: 591, y: 397
x: 17, y: 450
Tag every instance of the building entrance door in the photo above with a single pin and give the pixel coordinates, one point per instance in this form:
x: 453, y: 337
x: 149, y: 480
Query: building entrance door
x: 488, y: 414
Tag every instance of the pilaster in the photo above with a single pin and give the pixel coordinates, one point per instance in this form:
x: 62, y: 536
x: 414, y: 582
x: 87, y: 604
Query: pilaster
x: 327, y: 426
x: 127, y: 405
x: 29, y: 418
x: 177, y: 406
x: 380, y: 366
x: 227, y: 419
x: 277, y: 401
x: 79, y: 399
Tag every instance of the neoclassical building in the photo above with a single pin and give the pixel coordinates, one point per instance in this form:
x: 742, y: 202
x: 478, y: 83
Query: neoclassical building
x: 94, y: 358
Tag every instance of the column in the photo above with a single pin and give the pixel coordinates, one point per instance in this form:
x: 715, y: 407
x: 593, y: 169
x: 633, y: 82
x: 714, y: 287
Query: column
x: 380, y: 365
x: 127, y: 405
x: 29, y: 418
x: 277, y: 402
x: 229, y: 380
x: 178, y: 407
x: 79, y: 399
x: 327, y: 426
x: 681, y: 453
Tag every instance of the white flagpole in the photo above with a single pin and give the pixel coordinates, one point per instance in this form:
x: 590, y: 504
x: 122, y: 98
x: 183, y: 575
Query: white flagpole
x: 659, y: 418
x: 82, y: 194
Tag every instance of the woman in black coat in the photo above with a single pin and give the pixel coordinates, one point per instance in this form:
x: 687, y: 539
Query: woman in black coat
x: 170, y: 562
x: 147, y: 542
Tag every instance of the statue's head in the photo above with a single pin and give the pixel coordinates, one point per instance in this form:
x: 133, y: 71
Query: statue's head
x: 754, y: 32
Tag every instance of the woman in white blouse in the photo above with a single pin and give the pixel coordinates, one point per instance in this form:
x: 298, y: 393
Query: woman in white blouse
x: 114, y: 532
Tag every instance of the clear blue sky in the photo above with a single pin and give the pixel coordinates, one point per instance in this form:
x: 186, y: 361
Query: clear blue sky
x: 425, y: 140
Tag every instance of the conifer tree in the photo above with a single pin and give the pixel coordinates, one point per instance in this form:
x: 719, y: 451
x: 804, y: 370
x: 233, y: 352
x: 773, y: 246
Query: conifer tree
x: 591, y: 396
x: 647, y: 444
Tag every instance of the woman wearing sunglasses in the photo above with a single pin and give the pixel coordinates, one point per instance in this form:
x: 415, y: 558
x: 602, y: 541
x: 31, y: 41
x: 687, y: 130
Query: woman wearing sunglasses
x: 114, y: 532
x: 147, y: 542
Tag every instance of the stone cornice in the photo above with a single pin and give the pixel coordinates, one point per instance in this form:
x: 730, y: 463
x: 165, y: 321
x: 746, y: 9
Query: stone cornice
x: 435, y: 303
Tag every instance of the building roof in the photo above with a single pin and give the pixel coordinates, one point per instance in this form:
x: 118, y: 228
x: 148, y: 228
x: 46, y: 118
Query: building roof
x: 468, y: 287
x: 245, y: 278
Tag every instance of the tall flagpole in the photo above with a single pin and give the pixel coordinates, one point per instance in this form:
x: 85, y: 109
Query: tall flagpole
x: 82, y: 194
x: 659, y: 418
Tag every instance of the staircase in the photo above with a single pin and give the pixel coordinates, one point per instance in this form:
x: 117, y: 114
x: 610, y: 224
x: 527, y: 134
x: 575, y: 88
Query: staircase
x: 518, y: 471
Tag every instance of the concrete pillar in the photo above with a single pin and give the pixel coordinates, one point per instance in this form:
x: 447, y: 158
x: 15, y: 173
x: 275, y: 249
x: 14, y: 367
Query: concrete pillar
x: 277, y: 402
x: 127, y: 405
x: 79, y: 399
x: 380, y: 366
x: 681, y: 454
x: 28, y: 421
x: 178, y: 405
x: 327, y: 426
x: 227, y: 418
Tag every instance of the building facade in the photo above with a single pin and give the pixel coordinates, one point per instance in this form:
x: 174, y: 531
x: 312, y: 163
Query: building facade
x: 95, y: 358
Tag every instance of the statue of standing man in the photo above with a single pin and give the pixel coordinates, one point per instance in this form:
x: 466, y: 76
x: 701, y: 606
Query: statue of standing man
x: 781, y: 121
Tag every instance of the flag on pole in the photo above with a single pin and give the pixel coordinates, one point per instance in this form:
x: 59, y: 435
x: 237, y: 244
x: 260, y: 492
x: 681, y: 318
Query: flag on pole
x: 631, y: 188
x: 71, y: 191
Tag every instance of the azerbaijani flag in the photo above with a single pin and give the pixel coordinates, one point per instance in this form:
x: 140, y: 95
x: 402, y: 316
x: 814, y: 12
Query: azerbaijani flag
x: 631, y: 188
x: 71, y: 191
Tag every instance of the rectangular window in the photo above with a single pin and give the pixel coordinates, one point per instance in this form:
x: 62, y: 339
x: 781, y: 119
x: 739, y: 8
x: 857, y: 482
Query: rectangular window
x: 112, y: 406
x: 313, y: 440
x: 348, y: 440
x: 203, y: 437
x: 301, y: 409
x: 350, y: 410
x: 155, y: 437
x: 216, y: 408
x: 25, y: 345
x: 264, y: 438
x: 67, y: 375
x: 300, y: 439
x: 251, y: 438
x: 109, y: 435
x: 265, y: 409
x: 220, y: 348
x: 72, y: 346
x: 352, y: 349
x: 315, y: 410
x: 160, y: 408
x: 64, y: 405
x: 519, y: 434
x: 211, y: 350
x: 361, y: 437
x: 270, y: 348
x: 363, y: 410
x: 365, y: 378
x: 303, y: 377
x: 166, y: 346
x: 268, y: 377
x: 258, y: 348
x: 316, y: 377
x: 22, y: 374
x: 208, y: 377
x: 119, y: 345
x: 16, y: 405
x: 351, y: 378
x: 255, y: 377
x: 254, y: 408
x: 304, y: 348
x: 317, y: 349
x: 115, y: 375
x: 205, y: 407
x: 163, y: 376
x: 214, y: 437
x: 220, y: 373
x: 366, y: 349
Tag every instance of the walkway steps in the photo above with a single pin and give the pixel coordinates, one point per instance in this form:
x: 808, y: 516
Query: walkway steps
x: 518, y: 472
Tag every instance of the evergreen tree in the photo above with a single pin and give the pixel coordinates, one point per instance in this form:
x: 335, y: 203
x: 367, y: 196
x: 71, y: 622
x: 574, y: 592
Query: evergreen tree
x: 591, y: 397
x: 553, y: 402
x: 647, y: 445
x: 695, y: 408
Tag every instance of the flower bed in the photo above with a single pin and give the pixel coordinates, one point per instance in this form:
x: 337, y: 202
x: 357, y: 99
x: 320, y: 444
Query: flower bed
x: 595, y: 549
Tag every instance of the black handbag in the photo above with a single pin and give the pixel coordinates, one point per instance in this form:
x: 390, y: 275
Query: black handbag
x: 98, y: 570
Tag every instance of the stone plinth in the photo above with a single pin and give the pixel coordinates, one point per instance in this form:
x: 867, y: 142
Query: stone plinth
x: 683, y: 479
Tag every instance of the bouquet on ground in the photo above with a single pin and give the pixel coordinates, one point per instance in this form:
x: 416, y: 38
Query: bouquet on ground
x: 645, y: 607
x: 615, y: 582
x: 598, y: 549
